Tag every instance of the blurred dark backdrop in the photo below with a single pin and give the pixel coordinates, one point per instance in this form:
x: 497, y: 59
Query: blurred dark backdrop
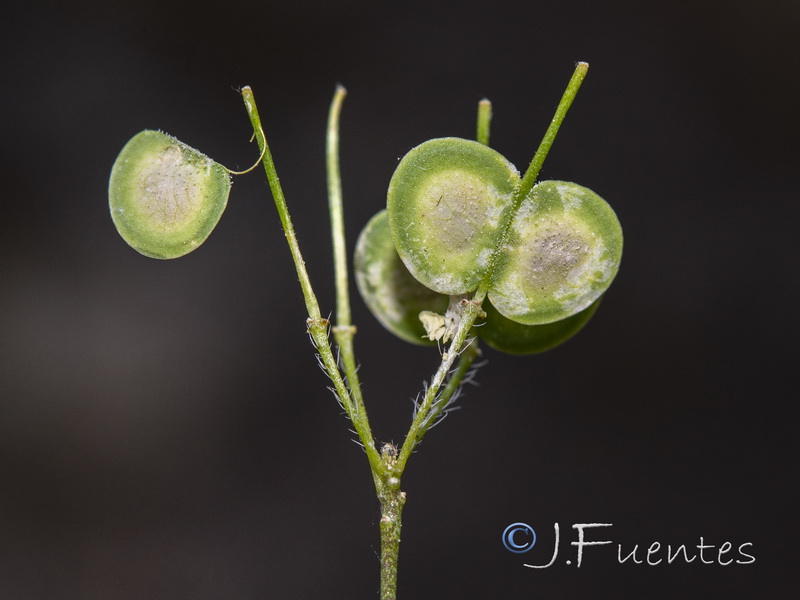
x: 164, y: 429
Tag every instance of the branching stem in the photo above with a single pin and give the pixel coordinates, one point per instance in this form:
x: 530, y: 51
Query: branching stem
x: 387, y: 467
x: 317, y: 326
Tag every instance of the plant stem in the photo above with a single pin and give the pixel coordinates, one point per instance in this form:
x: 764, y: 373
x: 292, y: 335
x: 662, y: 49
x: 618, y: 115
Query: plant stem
x: 529, y: 179
x: 387, y: 485
x: 336, y: 210
x: 422, y: 419
x: 392, y: 501
x: 484, y: 119
x: 280, y: 203
x: 550, y: 135
x: 344, y: 330
x: 468, y: 355
x: 386, y: 467
x: 317, y: 326
x: 426, y: 415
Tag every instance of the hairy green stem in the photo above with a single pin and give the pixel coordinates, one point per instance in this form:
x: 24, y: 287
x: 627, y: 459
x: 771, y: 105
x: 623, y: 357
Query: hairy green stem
x: 468, y: 355
x: 470, y: 310
x: 387, y: 466
x: 391, y: 501
x: 317, y: 326
x: 343, y: 330
x: 429, y: 410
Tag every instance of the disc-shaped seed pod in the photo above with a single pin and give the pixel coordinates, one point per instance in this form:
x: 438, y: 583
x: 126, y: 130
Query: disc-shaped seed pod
x: 515, y: 338
x: 446, y: 204
x: 561, y: 253
x: 165, y: 197
x: 388, y: 289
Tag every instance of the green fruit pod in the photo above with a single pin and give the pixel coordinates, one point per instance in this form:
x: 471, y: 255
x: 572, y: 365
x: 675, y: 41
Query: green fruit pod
x: 515, y: 338
x: 446, y: 203
x: 165, y: 197
x: 390, y: 292
x: 561, y: 254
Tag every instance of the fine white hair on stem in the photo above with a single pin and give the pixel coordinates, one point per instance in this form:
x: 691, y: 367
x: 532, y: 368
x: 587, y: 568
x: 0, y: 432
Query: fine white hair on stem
x: 467, y: 343
x: 338, y: 399
x: 415, y: 401
x: 355, y: 440
x: 441, y: 407
x: 321, y: 364
x: 439, y: 418
x: 472, y: 374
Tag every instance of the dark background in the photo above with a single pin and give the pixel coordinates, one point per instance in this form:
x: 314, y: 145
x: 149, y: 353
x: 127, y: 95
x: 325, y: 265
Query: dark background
x: 164, y: 429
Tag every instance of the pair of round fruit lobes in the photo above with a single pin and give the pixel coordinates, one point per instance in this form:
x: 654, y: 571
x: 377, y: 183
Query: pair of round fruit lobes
x: 454, y: 221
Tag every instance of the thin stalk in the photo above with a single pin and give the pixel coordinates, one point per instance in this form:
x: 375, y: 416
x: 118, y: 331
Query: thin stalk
x: 387, y: 485
x: 317, y: 326
x: 336, y: 210
x: 312, y: 306
x: 529, y: 179
x: 344, y: 330
x: 456, y: 380
x: 484, y: 120
x: 420, y: 424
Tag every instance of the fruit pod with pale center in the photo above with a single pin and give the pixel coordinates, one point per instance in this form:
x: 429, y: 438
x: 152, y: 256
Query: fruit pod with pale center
x: 561, y: 254
x: 446, y: 203
x: 165, y: 197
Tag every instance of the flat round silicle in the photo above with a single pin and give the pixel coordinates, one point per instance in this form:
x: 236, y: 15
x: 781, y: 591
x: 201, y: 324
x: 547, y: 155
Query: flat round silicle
x: 515, y: 338
x: 388, y: 289
x: 446, y: 204
x: 562, y: 252
x: 165, y: 197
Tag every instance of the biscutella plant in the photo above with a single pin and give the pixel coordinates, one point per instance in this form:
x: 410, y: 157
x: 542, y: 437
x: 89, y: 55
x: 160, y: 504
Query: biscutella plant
x: 466, y: 249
